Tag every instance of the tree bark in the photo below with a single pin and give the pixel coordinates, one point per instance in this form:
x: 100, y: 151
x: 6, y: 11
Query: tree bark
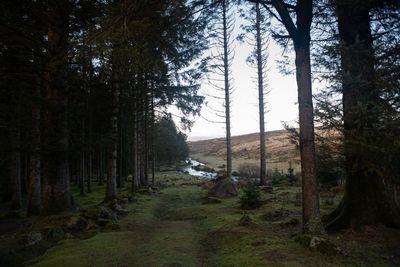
x: 111, y: 188
x: 263, y: 165
x: 300, y: 34
x: 227, y: 92
x: 307, y: 145
x: 15, y: 166
x: 56, y: 188
x: 35, y: 185
x: 366, y: 200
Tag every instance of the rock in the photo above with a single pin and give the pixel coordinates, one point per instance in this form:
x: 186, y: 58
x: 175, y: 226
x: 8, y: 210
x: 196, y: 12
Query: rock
x: 211, y: 200
x: 120, y: 211
x: 76, y: 224
x: 30, y: 239
x: 223, y: 188
x: 106, y: 213
x: 54, y: 234
x: 319, y: 244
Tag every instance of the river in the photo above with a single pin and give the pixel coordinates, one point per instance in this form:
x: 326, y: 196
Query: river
x: 188, y: 168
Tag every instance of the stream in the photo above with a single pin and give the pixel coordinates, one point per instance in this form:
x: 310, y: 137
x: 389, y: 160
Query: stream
x: 188, y: 168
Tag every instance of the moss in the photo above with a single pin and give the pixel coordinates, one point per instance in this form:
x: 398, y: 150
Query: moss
x: 174, y: 226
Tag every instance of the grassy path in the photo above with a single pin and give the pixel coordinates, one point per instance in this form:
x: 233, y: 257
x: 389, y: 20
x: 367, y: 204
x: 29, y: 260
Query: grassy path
x: 173, y: 228
x: 160, y: 230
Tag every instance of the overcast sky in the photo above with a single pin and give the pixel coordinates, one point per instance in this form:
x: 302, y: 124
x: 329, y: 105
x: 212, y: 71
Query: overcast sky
x: 281, y: 102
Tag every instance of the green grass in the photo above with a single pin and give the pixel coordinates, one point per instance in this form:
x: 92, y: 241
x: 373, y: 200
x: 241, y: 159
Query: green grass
x: 173, y: 225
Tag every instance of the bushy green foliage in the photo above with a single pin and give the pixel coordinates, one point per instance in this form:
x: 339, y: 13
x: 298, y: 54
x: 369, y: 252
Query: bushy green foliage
x: 251, y: 199
x: 170, y: 144
x: 276, y: 176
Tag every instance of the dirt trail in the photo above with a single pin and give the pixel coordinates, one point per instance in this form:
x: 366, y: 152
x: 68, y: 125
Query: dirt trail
x: 174, y: 233
x: 161, y: 230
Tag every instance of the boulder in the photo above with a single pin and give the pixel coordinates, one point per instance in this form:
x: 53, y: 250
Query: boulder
x: 105, y: 215
x: 319, y: 244
x: 223, y: 188
x: 30, y: 239
x: 76, y: 224
x: 120, y: 211
x: 54, y: 234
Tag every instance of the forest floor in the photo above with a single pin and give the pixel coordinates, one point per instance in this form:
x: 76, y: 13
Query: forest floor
x: 172, y: 227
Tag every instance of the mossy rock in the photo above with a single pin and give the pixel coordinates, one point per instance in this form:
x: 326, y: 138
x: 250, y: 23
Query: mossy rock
x: 319, y: 244
x: 76, y: 224
x: 30, y: 239
x: 54, y: 234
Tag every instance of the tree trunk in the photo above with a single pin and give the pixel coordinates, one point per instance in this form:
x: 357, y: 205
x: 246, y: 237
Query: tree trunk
x: 311, y: 215
x: 111, y: 189
x: 35, y: 186
x: 153, y: 160
x: 365, y: 200
x: 136, y: 173
x: 56, y: 189
x: 227, y: 93
x: 82, y: 161
x: 263, y: 165
x: 300, y: 34
x: 15, y: 166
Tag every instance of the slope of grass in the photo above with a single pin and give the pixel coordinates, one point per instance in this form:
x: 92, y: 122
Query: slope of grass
x: 246, y: 149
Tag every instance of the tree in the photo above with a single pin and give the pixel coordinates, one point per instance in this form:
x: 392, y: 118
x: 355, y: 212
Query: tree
x: 170, y: 144
x: 299, y: 33
x: 260, y: 72
x: 220, y: 79
x: 258, y: 59
x: 57, y: 195
x: 366, y: 199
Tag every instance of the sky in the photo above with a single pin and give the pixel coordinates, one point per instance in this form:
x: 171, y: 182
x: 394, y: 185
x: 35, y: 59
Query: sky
x: 281, y: 101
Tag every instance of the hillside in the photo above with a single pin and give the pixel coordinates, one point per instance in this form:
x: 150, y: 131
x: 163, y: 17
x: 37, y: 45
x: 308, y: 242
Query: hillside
x: 246, y: 149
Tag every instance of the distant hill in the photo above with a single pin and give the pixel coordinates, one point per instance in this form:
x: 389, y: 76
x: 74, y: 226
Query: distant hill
x: 246, y: 148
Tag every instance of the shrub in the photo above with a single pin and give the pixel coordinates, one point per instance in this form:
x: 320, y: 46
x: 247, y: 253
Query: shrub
x: 276, y: 176
x: 251, y: 199
x: 249, y: 170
